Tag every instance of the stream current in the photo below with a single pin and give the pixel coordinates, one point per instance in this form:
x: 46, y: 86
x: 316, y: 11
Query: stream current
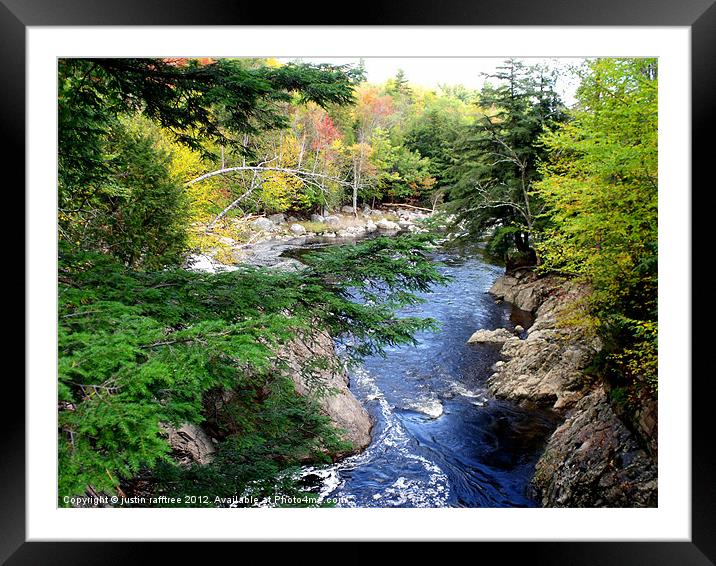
x: 440, y: 439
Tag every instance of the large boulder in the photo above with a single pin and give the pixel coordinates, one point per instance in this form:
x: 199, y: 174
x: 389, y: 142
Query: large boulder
x: 330, y: 386
x: 499, y: 336
x: 347, y: 210
x: 317, y: 218
x: 525, y: 289
x: 386, y: 225
x: 277, y: 218
x: 189, y: 443
x: 333, y: 220
x: 370, y: 227
x: 297, y: 229
x: 593, y: 460
x: 263, y: 224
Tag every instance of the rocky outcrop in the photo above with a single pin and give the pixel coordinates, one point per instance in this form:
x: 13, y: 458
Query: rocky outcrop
x: 328, y: 382
x: 546, y: 368
x: 190, y: 444
x: 593, y: 459
x: 524, y: 289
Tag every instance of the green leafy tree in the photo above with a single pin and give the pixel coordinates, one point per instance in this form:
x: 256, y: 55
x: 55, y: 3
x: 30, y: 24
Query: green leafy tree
x: 403, y: 174
x: 600, y: 186
x: 145, y: 216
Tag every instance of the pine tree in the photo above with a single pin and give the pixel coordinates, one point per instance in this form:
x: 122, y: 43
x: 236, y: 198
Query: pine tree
x: 496, y: 160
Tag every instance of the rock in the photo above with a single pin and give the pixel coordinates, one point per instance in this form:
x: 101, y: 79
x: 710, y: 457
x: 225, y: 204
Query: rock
x: 498, y: 336
x: 525, y: 290
x: 546, y: 368
x: 277, y: 218
x: 317, y: 218
x: 189, y: 443
x: 330, y: 386
x: 366, y: 210
x: 297, y: 229
x: 347, y: 210
x: 328, y: 234
x: 404, y: 224
x: 371, y: 227
x: 592, y: 460
x: 263, y: 224
x: 333, y: 220
x: 519, y: 329
x: 387, y: 225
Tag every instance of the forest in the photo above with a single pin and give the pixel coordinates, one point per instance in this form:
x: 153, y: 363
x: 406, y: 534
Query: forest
x: 161, y: 160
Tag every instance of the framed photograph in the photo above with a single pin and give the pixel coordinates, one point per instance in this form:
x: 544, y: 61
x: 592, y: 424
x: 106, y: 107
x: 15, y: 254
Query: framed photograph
x: 424, y: 277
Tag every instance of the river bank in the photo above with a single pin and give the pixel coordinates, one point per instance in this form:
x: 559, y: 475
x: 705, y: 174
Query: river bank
x: 262, y: 241
x: 550, y: 425
x: 595, y: 458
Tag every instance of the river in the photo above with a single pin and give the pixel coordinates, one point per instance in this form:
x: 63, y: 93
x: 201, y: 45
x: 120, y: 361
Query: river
x: 440, y: 439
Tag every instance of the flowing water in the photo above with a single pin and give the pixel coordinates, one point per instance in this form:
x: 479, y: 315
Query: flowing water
x: 440, y: 439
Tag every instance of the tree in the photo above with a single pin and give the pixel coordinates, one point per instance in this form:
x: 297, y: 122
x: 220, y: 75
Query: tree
x: 433, y: 134
x: 600, y: 186
x: 220, y: 101
x: 496, y: 161
x: 372, y: 111
x: 400, y: 172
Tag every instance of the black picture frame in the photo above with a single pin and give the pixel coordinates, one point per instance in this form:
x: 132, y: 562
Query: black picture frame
x: 699, y: 15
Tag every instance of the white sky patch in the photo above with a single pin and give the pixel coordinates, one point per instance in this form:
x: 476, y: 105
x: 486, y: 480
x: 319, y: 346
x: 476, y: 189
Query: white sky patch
x: 431, y: 72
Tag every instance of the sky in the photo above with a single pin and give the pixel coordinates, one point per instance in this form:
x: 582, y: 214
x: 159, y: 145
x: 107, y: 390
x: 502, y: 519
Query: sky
x: 430, y: 72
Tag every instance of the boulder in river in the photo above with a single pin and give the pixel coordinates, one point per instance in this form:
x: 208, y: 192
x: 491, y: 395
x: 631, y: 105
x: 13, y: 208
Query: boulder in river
x: 523, y: 289
x: 499, y: 336
x: 387, y: 225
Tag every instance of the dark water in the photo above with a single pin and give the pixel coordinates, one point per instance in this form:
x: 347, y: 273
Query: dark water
x: 440, y: 439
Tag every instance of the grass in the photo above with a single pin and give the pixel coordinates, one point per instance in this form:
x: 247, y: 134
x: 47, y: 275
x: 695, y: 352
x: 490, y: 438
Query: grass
x: 315, y: 227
